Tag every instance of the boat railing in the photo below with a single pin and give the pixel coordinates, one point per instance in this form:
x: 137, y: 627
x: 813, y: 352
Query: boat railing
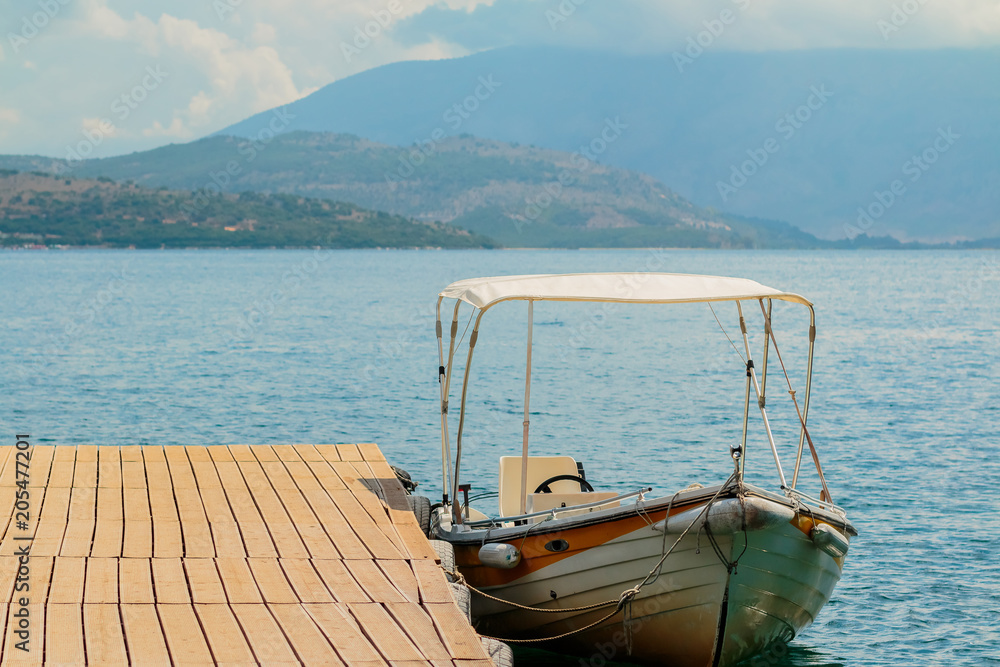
x: 800, y: 495
x: 498, y: 521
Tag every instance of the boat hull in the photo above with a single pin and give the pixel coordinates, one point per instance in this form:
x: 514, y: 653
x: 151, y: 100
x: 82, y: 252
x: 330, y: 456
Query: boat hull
x: 699, y: 611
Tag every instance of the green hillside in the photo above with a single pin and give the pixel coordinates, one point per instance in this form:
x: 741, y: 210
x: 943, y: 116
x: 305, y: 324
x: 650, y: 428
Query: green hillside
x: 39, y: 209
x: 516, y: 195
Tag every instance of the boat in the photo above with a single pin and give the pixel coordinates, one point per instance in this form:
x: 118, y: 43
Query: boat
x: 704, y: 576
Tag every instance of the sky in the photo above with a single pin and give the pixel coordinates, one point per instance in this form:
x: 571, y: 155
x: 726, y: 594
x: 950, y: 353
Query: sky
x: 116, y: 76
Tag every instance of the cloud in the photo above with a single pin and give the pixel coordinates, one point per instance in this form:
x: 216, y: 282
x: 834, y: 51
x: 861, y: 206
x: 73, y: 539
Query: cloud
x: 223, y: 68
x: 652, y: 26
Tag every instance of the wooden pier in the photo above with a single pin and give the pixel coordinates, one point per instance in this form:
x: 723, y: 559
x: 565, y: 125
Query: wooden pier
x: 236, y: 555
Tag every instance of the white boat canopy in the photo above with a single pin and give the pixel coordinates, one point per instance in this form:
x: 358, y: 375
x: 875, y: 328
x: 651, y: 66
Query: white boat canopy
x: 663, y: 288
x: 483, y: 293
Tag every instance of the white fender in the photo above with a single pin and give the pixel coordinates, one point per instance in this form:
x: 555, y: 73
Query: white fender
x: 829, y: 540
x: 499, y: 555
x: 726, y: 517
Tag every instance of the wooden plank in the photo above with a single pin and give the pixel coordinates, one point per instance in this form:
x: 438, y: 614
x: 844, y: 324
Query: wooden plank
x: 371, y: 452
x: 184, y: 635
x: 460, y: 639
x: 305, y: 521
x: 110, y: 504
x: 256, y: 538
x: 264, y: 634
x: 420, y: 629
x: 286, y: 538
x: 227, y: 540
x: 205, y: 475
x: 388, y: 638
x: 220, y: 453
x: 401, y: 575
x: 131, y: 453
x: 368, y: 499
x: 308, y: 453
x: 326, y: 475
x: 241, y: 453
x: 108, y: 539
x: 263, y: 453
x: 196, y: 453
x: 432, y: 582
x: 374, y: 581
x: 363, y: 526
x: 303, y: 476
x: 85, y: 474
x: 162, y: 504
x: 133, y: 475
x: 13, y: 528
x: 152, y: 453
x: 68, y: 577
x: 52, y: 522
x: 167, y: 541
x: 36, y: 646
x: 213, y: 501
x: 197, y: 536
x: 8, y: 575
x: 271, y: 581
x: 158, y: 475
x: 109, y: 471
x: 348, y: 543
x: 310, y: 644
x: 203, y: 579
x: 138, y: 539
x: 137, y: 504
x: 392, y: 489
x: 277, y: 475
x: 306, y: 582
x: 110, y: 528
x: 80, y: 529
x: 40, y: 577
x: 328, y: 452
x: 86, y: 453
x: 62, y: 472
x: 102, y: 581
x: 146, y: 643
x: 285, y: 452
x: 339, y: 581
x: 169, y: 582
x: 64, y: 634
x: 135, y: 581
x: 224, y: 635
x: 181, y: 474
x: 342, y: 631
x: 103, y: 635
x: 349, y: 453
x: 40, y: 465
x: 238, y: 581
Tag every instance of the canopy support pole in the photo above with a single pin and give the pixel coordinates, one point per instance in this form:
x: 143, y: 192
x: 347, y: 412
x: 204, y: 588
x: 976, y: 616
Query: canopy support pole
x: 805, y: 408
x: 767, y: 347
x: 444, y: 381
x: 456, y: 507
x: 752, y: 378
x: 526, y: 423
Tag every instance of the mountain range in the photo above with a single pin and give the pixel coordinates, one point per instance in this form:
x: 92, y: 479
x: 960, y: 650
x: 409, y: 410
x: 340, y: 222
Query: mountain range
x: 836, y: 142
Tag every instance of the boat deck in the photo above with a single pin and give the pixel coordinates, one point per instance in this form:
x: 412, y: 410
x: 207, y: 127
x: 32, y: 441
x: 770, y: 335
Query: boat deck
x: 278, y: 555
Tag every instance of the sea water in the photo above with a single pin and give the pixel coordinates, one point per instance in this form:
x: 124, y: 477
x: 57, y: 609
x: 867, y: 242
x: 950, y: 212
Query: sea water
x: 210, y: 347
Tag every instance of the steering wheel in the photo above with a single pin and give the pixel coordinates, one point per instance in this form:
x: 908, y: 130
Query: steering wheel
x: 544, y: 486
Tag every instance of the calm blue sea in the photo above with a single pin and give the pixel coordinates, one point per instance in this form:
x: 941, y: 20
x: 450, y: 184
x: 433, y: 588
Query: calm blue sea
x: 208, y: 347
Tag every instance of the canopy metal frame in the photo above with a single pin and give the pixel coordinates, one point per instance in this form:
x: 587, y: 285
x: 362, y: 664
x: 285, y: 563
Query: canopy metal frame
x: 451, y: 474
